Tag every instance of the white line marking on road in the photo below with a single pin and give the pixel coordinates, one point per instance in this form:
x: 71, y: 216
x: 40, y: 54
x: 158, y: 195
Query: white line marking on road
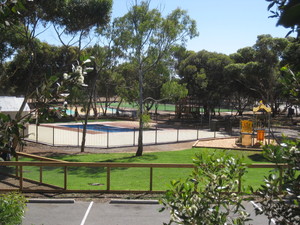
x: 87, y: 213
x: 260, y: 209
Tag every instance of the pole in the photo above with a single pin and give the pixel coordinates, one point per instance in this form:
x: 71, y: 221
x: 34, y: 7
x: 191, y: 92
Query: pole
x: 53, y: 135
x: 107, y: 138
x: 156, y: 135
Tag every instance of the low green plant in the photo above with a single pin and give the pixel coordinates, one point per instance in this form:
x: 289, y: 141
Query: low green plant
x: 209, y: 195
x: 279, y: 196
x: 12, y: 208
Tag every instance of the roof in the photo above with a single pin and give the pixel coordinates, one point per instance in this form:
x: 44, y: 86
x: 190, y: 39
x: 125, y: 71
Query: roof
x: 262, y: 107
x: 12, y: 104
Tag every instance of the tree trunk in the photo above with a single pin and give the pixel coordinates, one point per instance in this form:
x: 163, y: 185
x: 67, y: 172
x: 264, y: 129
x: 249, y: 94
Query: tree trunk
x: 139, y: 151
x: 92, y: 91
x: 85, y: 124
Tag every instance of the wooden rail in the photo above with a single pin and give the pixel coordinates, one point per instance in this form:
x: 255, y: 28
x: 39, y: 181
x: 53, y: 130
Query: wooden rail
x: 108, y: 166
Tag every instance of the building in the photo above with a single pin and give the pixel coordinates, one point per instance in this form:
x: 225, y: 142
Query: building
x: 10, y: 105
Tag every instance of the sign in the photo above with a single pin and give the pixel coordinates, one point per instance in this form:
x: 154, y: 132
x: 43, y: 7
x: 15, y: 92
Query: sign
x: 247, y: 126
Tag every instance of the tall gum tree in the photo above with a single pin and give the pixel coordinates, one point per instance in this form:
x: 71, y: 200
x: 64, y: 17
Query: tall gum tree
x: 146, y: 38
x: 72, y: 15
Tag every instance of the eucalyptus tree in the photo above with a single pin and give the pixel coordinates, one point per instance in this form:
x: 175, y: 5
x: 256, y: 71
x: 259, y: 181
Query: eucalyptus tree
x: 203, y: 72
x: 290, y: 77
x: 71, y: 16
x: 287, y: 12
x: 257, y: 70
x: 146, y: 38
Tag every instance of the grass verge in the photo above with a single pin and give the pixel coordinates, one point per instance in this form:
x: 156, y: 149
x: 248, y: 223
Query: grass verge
x: 138, y: 178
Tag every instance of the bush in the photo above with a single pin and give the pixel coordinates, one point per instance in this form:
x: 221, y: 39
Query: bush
x: 279, y: 197
x: 12, y: 208
x: 207, y: 196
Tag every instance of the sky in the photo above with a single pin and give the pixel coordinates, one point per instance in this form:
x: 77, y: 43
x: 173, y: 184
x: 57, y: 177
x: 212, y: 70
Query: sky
x: 224, y: 26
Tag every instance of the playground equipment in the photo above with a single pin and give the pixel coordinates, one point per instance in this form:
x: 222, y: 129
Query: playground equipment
x: 254, y: 132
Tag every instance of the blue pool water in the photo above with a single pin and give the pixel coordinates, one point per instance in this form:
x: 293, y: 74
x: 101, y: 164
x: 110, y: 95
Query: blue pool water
x: 100, y: 127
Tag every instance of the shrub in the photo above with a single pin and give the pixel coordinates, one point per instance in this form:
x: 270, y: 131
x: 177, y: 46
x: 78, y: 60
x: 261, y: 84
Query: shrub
x: 279, y: 197
x: 12, y: 208
x: 207, y: 196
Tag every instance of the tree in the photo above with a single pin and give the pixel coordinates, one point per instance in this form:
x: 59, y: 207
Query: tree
x: 239, y: 95
x: 203, y: 72
x: 257, y: 69
x: 287, y: 12
x: 146, y: 39
x: 74, y: 16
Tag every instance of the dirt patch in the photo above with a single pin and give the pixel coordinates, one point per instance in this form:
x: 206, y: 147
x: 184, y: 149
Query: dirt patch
x: 48, y: 151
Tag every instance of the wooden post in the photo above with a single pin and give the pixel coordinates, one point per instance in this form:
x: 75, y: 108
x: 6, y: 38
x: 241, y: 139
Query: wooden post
x: 151, y: 178
x: 280, y: 179
x: 240, y: 183
x: 65, y: 177
x: 21, y: 178
x: 108, y: 179
x: 17, y: 168
x: 41, y: 174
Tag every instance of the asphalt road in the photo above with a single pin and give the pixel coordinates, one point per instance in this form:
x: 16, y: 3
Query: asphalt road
x: 91, y: 213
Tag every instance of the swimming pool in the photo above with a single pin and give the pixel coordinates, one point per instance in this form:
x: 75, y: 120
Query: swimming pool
x: 100, y: 127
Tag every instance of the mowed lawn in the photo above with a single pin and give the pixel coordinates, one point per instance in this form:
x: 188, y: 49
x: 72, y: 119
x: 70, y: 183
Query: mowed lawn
x: 91, y: 178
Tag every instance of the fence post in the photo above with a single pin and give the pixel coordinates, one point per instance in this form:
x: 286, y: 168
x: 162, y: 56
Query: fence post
x: 65, y: 177
x: 17, y: 168
x: 78, y: 136
x: 151, y: 178
x: 21, y: 178
x: 23, y: 138
x: 108, y: 179
x: 156, y: 135
x: 53, y: 134
x: 177, y: 134
x: 280, y: 179
x: 240, y: 183
x: 41, y: 174
x: 107, y: 138
x: 134, y: 136
x: 36, y: 133
x: 197, y: 133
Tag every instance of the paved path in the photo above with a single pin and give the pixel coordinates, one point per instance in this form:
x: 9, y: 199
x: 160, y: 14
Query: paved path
x: 90, y: 213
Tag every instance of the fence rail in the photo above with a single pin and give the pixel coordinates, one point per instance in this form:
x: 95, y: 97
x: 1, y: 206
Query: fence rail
x: 59, y: 136
x: 20, y: 174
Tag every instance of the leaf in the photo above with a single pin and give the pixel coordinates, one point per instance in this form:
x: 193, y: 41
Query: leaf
x: 271, y: 5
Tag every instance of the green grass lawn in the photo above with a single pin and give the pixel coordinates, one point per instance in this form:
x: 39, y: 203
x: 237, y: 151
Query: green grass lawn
x: 161, y: 107
x: 138, y: 178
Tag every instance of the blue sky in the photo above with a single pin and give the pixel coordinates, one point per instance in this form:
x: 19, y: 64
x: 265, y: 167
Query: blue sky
x: 224, y: 25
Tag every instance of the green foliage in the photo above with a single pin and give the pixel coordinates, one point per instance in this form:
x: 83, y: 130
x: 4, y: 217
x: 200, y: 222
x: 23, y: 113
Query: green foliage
x: 206, y: 196
x: 291, y: 83
x: 10, y: 136
x: 280, y: 195
x: 173, y: 91
x: 146, y: 120
x: 203, y: 72
x: 12, y: 208
x: 287, y: 12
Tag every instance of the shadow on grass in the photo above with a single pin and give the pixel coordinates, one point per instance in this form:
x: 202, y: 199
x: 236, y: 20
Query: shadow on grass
x: 258, y: 158
x: 94, y: 172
